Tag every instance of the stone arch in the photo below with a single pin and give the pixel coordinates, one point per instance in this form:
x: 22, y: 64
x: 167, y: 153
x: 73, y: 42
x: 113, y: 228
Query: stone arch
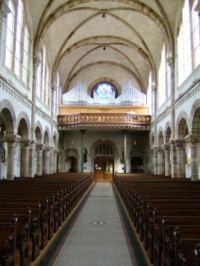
x: 46, y: 139
x: 182, y: 129
x: 182, y: 126
x: 160, y: 137
x: 7, y: 117
x: 38, y: 133
x: 23, y: 126
x: 152, y: 140
x: 167, y: 132
x: 55, y: 140
x: 195, y: 118
x: 107, y: 142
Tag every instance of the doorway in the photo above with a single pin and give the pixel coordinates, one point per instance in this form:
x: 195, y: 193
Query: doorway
x: 103, y: 168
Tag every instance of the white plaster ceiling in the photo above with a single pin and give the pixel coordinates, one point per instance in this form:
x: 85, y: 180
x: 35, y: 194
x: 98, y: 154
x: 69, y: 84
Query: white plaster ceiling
x: 76, y: 31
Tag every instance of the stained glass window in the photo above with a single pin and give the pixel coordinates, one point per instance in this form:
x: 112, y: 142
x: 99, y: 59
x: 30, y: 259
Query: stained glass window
x: 104, y: 92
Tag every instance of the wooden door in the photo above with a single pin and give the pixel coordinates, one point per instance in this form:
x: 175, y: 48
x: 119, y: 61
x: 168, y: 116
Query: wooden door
x: 100, y: 169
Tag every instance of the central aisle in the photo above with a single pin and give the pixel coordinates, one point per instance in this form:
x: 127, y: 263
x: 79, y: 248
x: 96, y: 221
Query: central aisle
x: 97, y: 237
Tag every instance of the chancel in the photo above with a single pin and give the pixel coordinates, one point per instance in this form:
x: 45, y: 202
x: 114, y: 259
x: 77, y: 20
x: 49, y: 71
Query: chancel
x: 99, y: 132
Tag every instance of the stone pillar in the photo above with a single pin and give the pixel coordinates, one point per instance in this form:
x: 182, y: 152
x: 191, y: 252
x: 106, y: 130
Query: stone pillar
x: 160, y: 162
x: 173, y: 159
x: 39, y: 151
x: 24, y: 164
x: 55, y: 157
x: 32, y: 165
x: 125, y: 150
x: 60, y: 161
x: 82, y: 150
x: 155, y: 153
x: 11, y: 154
x: 51, y: 153
x: 47, y: 160
x: 151, y: 162
x: 4, y: 10
x: 166, y: 149
x: 193, y: 140
x: 180, y: 155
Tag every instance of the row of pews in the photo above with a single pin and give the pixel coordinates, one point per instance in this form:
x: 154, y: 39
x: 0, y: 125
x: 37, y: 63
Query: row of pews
x: 33, y: 209
x: 165, y: 213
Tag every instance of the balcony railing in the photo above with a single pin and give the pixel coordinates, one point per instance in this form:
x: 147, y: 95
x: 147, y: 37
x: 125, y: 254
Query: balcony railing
x: 108, y: 120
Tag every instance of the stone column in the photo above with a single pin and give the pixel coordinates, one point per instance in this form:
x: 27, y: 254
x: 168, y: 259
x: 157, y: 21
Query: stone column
x: 47, y: 160
x: 11, y: 154
x: 193, y: 140
x: 180, y: 150
x: 160, y: 162
x: 151, y: 162
x: 24, y: 164
x: 32, y: 165
x: 61, y: 160
x: 173, y: 159
x: 155, y: 153
x: 82, y: 151
x: 55, y: 157
x: 39, y: 151
x: 125, y: 150
x: 51, y: 153
x: 166, y: 149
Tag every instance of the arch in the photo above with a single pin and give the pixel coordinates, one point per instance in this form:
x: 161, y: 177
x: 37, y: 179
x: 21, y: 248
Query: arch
x: 106, y: 142
x: 54, y: 141
x: 182, y: 129
x: 168, y: 135
x: 152, y: 140
x: 195, y: 118
x: 38, y: 133
x: 23, y: 125
x: 109, y: 80
x: 7, y: 115
x: 46, y: 139
x: 182, y: 116
x: 71, y: 153
x: 160, y: 137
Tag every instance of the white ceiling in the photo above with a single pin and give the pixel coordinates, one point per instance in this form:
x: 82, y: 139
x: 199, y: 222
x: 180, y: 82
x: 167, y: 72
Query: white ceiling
x: 132, y: 31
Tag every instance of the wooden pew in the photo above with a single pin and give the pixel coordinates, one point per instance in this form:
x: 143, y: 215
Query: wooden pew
x: 51, y: 200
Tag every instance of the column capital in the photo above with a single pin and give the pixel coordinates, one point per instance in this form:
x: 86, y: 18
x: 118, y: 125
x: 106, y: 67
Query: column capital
x: 159, y: 148
x: 11, y: 138
x: 83, y: 131
x: 192, y: 138
x: 47, y: 148
x: 25, y: 142
x: 39, y: 147
x: 179, y: 143
x: 4, y: 9
x: 166, y: 147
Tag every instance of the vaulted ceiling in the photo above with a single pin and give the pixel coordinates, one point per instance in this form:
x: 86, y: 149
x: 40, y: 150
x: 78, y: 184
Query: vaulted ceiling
x: 113, y: 40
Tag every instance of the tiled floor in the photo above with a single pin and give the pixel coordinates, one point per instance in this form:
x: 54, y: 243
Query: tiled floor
x: 97, y: 237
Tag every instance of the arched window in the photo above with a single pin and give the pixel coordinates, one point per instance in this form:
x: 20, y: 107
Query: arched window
x: 162, y: 80
x: 25, y: 56
x: 56, y: 94
x: 188, y: 41
x: 18, y: 38
x: 196, y: 35
x: 104, y: 93
x: 17, y: 41
x: 10, y: 27
x: 184, y: 45
x: 151, y: 95
x: 43, y: 79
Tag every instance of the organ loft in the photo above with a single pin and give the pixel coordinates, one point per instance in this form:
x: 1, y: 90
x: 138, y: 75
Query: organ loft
x: 99, y: 132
